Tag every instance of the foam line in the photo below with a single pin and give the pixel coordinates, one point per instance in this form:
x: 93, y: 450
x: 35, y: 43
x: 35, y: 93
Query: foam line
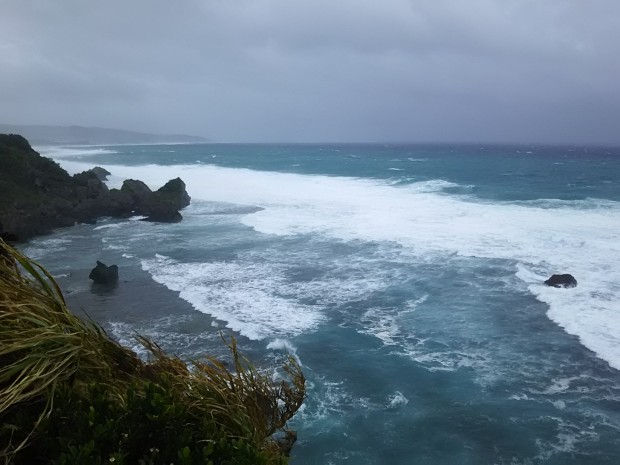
x: 545, y: 237
x: 61, y: 152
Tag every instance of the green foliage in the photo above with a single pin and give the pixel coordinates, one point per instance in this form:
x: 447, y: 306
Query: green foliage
x: 71, y: 395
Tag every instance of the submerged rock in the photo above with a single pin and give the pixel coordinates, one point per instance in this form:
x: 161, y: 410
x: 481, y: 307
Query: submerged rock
x: 561, y: 280
x: 103, y: 274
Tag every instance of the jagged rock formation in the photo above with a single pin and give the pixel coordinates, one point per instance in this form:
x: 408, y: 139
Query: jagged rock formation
x: 561, y: 280
x: 165, y: 203
x: 39, y: 196
x: 103, y: 274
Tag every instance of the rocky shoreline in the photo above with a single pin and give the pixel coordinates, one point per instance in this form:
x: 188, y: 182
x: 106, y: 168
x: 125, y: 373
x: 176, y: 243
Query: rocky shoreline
x: 38, y: 196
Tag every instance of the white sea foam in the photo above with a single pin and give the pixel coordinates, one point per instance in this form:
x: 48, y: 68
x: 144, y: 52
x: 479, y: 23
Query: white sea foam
x: 582, y: 384
x: 329, y: 404
x: 62, y: 275
x: 385, y: 323
x: 109, y: 245
x: 61, y: 152
x: 286, y: 346
x: 560, y: 386
x: 241, y: 295
x: 254, y: 295
x: 38, y: 247
x: 125, y: 334
x: 168, y: 332
x: 108, y: 226
x: 581, y: 238
x: 559, y: 404
x: 397, y: 400
x: 283, y: 345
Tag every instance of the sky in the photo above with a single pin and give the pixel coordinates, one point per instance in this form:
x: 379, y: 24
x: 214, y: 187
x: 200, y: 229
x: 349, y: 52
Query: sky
x: 529, y: 71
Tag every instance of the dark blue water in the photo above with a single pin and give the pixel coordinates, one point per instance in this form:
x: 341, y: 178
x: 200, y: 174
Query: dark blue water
x: 406, y: 279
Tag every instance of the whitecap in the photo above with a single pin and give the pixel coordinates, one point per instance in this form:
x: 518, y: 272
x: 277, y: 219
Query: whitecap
x: 397, y: 399
x: 282, y: 345
x: 61, y: 152
x: 329, y: 402
x: 566, y: 441
x: 62, y: 275
x: 108, y: 226
x: 241, y: 295
x: 426, y: 222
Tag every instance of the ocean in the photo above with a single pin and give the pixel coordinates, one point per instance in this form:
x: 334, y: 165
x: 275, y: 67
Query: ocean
x: 406, y: 279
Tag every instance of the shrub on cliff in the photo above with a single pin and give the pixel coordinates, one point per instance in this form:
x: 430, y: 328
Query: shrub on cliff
x: 70, y: 395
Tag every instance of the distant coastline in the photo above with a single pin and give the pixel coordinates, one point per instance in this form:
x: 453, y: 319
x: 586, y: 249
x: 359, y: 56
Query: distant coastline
x: 43, y: 135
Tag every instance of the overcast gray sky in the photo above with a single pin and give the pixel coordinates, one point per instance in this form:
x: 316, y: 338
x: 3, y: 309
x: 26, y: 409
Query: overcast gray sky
x: 317, y: 70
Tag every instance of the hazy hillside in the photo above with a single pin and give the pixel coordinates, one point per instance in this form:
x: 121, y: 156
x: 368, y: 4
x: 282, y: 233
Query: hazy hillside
x: 79, y: 135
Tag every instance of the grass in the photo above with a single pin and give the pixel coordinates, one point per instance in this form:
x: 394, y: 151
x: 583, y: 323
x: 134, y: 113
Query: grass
x: 71, y: 394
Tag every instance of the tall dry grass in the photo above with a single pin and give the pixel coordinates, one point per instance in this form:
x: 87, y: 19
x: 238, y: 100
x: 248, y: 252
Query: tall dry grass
x: 46, y: 350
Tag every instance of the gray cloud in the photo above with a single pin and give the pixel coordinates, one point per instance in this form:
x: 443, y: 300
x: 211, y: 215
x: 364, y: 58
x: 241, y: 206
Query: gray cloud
x: 299, y: 70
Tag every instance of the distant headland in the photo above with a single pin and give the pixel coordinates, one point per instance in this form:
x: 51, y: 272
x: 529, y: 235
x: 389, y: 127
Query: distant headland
x: 80, y: 135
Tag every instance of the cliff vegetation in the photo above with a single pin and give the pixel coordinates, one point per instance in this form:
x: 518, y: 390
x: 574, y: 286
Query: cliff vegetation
x: 69, y: 394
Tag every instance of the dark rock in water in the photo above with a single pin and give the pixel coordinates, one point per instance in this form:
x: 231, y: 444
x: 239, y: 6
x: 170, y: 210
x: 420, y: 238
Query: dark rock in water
x: 101, y: 173
x: 103, y: 274
x: 164, y: 204
x: 561, y: 280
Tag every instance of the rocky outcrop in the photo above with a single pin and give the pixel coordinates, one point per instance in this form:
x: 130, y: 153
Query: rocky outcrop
x: 103, y: 274
x: 101, y: 173
x: 139, y: 193
x: 39, y: 196
x: 165, y: 203
x: 561, y: 280
x: 173, y: 194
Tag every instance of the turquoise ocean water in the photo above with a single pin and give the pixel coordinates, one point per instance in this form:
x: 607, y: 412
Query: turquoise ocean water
x: 406, y: 279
